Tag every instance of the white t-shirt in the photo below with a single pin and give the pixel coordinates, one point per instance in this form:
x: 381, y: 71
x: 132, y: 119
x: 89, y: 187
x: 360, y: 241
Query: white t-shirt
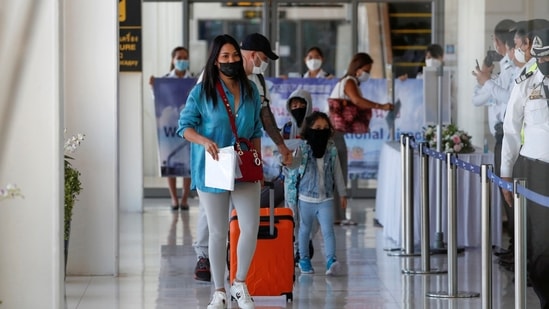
x: 339, y: 89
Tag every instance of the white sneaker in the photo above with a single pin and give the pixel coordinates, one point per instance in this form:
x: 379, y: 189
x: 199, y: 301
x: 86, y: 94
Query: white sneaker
x: 219, y: 300
x: 239, y: 291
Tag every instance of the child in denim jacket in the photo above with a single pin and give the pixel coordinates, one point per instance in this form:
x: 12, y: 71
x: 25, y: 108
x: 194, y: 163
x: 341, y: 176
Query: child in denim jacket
x: 319, y: 176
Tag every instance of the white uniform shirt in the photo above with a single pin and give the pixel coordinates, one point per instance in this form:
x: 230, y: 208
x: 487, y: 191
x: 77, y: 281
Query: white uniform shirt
x: 495, y: 93
x: 321, y: 74
x: 533, y: 114
x: 172, y: 74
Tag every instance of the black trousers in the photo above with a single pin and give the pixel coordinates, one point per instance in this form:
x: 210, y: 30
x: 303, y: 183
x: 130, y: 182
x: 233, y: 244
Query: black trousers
x: 537, y: 227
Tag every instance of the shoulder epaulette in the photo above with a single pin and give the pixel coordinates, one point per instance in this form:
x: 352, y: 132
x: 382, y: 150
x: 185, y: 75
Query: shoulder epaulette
x: 526, y: 73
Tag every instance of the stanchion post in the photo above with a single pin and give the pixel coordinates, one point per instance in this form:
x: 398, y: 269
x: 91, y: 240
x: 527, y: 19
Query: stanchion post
x: 452, y: 237
x: 520, y: 245
x: 409, y: 196
x: 452, y: 226
x: 425, y: 212
x: 486, y: 238
x: 425, y: 221
x: 407, y: 199
x: 404, y: 170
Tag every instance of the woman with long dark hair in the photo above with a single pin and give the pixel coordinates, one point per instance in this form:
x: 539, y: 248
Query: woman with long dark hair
x: 206, y: 124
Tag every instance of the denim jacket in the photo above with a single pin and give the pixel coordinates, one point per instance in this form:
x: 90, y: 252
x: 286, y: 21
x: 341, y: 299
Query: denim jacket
x: 310, y: 185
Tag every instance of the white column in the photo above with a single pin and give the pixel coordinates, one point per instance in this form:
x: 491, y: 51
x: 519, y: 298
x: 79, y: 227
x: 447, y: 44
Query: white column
x: 91, y: 107
x: 131, y: 142
x: 31, y: 155
x: 162, y: 23
x: 470, y: 46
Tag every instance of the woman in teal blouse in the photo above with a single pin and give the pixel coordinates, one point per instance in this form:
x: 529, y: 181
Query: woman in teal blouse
x: 205, y: 123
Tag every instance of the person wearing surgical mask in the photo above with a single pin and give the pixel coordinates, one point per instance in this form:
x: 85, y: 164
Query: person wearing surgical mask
x: 348, y: 87
x: 256, y: 53
x: 179, y: 68
x: 434, y: 57
x: 492, y: 92
x: 314, y: 60
x: 525, y: 151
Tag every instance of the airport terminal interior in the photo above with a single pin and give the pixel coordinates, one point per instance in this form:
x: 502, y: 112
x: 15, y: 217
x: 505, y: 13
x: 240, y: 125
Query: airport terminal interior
x: 129, y: 250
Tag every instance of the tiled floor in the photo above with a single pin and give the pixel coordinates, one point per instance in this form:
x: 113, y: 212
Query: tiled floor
x: 157, y: 263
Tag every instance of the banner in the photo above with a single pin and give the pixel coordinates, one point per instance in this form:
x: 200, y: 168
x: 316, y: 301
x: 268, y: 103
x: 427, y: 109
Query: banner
x: 363, y: 149
x: 170, y: 95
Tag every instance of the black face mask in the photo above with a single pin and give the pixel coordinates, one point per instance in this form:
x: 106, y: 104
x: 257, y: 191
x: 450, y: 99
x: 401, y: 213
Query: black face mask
x: 230, y: 69
x: 318, y: 139
x: 299, y: 115
x: 544, y: 68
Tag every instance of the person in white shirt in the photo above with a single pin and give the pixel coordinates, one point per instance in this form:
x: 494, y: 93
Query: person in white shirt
x: 314, y: 60
x: 528, y: 112
x: 493, y: 93
x: 348, y: 87
x: 179, y: 68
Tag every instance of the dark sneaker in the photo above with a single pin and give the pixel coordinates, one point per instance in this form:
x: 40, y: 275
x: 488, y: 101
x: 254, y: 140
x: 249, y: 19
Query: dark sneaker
x: 202, y: 270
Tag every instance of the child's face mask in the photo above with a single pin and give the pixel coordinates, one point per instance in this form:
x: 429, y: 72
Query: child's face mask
x: 318, y: 140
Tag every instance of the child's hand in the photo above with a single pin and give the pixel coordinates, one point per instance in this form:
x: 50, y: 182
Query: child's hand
x: 344, y: 202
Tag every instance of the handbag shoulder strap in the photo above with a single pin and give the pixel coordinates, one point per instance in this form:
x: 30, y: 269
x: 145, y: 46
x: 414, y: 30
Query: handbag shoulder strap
x: 227, y: 107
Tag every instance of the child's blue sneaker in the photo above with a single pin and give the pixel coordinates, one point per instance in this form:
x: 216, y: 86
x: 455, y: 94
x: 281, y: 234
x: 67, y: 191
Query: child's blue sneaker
x: 305, y: 266
x: 332, y: 267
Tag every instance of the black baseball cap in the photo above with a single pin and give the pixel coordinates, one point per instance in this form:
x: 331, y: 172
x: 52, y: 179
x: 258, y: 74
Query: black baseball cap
x: 258, y: 42
x: 540, y: 44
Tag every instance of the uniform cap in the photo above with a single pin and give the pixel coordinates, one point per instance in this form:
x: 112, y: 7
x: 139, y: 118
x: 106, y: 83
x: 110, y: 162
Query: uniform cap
x: 540, y: 43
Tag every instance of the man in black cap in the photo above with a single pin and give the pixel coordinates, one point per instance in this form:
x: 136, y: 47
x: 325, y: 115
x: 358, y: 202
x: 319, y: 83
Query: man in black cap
x: 256, y: 52
x: 528, y: 111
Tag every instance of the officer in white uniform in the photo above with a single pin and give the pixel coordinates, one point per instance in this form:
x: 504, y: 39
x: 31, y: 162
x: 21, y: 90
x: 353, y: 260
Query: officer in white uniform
x: 528, y: 111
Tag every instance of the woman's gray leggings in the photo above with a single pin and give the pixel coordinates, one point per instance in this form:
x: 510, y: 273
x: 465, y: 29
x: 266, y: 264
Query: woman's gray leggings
x: 245, y: 198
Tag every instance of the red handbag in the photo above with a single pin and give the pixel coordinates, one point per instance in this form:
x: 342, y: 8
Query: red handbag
x: 347, y: 117
x: 251, y: 166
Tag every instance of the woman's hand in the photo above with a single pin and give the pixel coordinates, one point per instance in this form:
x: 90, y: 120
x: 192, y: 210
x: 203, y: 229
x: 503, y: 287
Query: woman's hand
x: 211, y: 148
x: 343, y: 202
x: 387, y: 106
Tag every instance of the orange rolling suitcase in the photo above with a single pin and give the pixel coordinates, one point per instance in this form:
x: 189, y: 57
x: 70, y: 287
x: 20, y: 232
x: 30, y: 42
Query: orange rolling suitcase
x: 272, y: 272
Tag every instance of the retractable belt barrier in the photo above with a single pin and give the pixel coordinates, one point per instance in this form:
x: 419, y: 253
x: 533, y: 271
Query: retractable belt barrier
x: 485, y: 171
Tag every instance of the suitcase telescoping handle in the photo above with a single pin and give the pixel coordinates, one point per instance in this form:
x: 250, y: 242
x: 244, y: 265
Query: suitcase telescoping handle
x: 271, y: 185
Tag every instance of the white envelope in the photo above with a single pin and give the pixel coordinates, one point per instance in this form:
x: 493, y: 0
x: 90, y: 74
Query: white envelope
x: 220, y: 174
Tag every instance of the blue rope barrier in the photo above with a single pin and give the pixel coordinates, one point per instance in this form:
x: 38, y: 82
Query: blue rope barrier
x: 529, y: 194
x: 533, y: 196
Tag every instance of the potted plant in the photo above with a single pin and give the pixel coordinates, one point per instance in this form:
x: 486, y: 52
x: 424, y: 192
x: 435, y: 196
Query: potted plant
x: 73, y: 186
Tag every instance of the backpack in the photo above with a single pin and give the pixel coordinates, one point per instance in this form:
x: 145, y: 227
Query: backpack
x: 262, y: 82
x: 294, y: 176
